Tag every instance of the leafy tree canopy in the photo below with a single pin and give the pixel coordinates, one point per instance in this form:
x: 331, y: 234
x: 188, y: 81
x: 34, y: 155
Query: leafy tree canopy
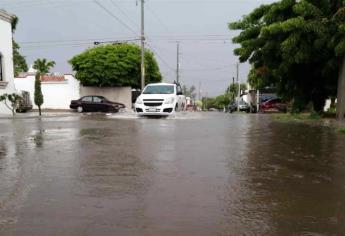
x: 19, y: 62
x: 13, y: 100
x: 218, y: 102
x: 296, y: 46
x: 43, y: 66
x: 233, y: 88
x: 114, y: 65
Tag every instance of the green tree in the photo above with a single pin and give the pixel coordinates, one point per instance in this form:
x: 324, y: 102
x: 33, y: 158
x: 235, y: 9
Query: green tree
x: 114, y: 65
x: 218, y: 102
x: 43, y: 67
x: 297, y: 46
x: 19, y: 62
x: 13, y: 100
x: 232, y: 90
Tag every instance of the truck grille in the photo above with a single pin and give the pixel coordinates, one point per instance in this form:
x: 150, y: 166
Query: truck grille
x: 153, y: 100
x: 153, y: 104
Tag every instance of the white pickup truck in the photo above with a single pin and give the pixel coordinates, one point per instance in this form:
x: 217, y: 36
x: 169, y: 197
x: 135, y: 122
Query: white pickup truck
x: 160, y: 99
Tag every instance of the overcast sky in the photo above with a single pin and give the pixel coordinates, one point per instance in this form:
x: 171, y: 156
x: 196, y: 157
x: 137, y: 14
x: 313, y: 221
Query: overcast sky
x: 59, y: 29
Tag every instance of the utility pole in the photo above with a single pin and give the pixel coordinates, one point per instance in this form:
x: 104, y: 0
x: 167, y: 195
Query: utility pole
x: 233, y: 85
x: 239, y: 86
x: 178, y: 63
x: 199, y: 90
x: 142, y: 38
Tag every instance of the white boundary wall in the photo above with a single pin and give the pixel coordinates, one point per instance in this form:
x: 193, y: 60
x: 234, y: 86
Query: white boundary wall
x: 115, y: 94
x: 56, y: 94
x: 7, y: 85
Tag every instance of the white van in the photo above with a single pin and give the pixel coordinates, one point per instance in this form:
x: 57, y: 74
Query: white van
x: 160, y: 99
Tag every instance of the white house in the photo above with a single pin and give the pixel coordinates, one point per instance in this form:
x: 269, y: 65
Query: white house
x: 57, y: 90
x: 6, y: 59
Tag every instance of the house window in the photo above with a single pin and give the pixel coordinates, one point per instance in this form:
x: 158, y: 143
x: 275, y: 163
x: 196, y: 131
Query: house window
x: 1, y: 72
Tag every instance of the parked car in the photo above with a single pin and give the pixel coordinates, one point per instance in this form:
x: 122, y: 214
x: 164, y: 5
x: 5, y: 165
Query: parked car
x: 274, y: 104
x: 242, y: 105
x: 161, y: 99
x: 93, y: 103
x: 25, y: 103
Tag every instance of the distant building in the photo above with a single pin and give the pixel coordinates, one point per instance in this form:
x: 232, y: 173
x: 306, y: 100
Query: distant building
x: 6, y: 58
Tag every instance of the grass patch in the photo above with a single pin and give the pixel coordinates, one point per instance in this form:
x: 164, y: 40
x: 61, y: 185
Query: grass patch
x: 341, y: 130
x: 297, y: 116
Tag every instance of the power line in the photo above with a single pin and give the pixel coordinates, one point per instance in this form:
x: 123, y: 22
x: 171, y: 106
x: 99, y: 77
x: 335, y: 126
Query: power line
x: 208, y: 69
x: 42, y: 3
x: 161, y: 58
x: 115, y: 17
x: 124, y: 13
x: 74, y: 40
x: 158, y: 18
x: 152, y: 38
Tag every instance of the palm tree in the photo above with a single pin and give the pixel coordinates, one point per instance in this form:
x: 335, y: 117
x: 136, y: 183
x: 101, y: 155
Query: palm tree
x: 43, y: 67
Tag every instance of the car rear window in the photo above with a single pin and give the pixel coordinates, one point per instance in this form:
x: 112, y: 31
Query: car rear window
x: 87, y: 99
x: 97, y: 99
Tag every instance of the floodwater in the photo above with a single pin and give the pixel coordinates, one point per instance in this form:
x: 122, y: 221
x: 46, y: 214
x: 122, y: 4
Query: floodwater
x: 193, y: 174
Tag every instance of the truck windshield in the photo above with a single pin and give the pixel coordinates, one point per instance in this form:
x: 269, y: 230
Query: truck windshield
x: 159, y: 89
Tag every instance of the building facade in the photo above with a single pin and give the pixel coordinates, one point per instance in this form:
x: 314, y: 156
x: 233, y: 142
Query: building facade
x: 6, y: 59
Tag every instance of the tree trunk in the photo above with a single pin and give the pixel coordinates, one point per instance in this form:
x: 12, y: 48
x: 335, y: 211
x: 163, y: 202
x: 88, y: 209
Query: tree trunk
x: 341, y: 93
x: 333, y: 105
x: 39, y: 110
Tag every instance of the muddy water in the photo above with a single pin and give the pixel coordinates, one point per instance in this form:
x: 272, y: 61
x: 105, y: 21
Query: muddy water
x: 194, y: 174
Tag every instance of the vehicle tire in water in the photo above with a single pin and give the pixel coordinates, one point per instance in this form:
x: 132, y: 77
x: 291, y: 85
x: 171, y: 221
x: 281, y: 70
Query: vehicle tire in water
x: 80, y: 109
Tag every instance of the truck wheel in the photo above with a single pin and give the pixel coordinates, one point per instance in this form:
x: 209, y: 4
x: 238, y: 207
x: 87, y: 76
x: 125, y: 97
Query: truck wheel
x: 80, y: 109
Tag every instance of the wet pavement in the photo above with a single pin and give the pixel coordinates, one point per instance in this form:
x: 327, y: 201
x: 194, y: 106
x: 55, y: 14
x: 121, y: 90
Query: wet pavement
x: 193, y: 174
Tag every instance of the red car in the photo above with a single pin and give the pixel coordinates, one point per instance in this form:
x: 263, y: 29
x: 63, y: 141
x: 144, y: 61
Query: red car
x: 95, y: 103
x: 274, y: 104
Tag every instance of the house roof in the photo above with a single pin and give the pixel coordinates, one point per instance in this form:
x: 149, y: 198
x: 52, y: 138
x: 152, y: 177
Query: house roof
x: 53, y: 78
x: 45, y: 78
x: 4, y: 15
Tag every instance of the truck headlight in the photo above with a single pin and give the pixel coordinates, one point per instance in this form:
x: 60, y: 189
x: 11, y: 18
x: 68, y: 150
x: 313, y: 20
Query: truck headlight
x: 169, y: 101
x: 139, y: 101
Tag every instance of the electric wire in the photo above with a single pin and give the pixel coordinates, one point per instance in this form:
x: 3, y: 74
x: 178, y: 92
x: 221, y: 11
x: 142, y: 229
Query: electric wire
x: 158, y: 18
x: 124, y: 13
x: 115, y: 17
x: 161, y: 58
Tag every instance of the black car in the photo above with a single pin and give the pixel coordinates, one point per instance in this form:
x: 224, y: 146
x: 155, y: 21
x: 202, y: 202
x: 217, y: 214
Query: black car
x: 95, y: 103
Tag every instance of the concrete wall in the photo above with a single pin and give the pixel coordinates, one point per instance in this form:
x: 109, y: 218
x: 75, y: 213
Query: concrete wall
x: 115, y: 94
x: 56, y: 95
x: 7, y: 85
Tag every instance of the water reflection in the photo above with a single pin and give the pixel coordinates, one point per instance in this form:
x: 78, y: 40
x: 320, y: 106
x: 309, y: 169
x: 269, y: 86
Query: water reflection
x: 3, y: 150
x: 219, y: 175
x: 296, y: 175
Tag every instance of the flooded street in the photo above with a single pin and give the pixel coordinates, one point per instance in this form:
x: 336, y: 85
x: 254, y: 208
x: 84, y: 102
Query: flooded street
x: 194, y: 174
